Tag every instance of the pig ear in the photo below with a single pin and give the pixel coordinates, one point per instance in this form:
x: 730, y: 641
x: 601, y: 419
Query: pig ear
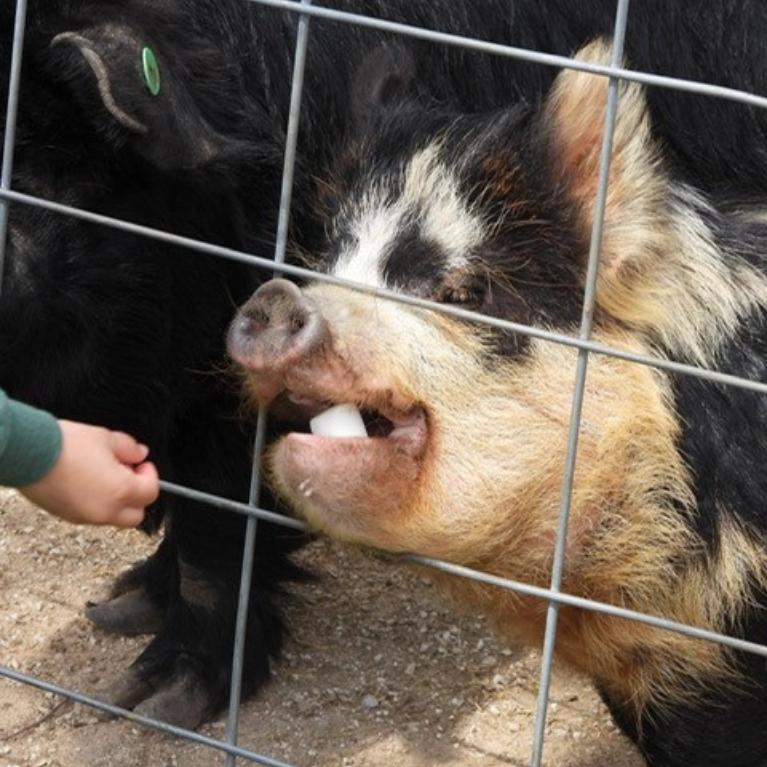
x: 575, y: 118
x: 132, y: 95
x: 386, y: 77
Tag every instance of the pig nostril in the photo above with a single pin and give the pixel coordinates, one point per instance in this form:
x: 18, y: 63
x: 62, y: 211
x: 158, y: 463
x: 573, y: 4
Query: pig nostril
x: 245, y: 326
x: 248, y: 326
x: 297, y: 322
x: 256, y: 319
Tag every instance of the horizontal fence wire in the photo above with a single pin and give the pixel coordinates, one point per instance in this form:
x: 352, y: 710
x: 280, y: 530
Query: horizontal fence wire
x: 265, y: 262
x: 525, y: 589
x: 276, y: 264
x: 524, y: 54
x: 131, y: 716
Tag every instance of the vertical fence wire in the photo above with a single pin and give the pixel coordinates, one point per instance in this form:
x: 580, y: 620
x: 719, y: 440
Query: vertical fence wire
x: 11, y: 113
x: 283, y: 224
x: 589, y: 302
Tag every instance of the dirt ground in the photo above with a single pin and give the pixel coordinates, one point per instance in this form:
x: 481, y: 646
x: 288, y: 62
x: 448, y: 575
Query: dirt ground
x: 379, y: 671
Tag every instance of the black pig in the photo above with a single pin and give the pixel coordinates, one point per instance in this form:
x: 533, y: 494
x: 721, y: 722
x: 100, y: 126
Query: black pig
x: 105, y: 327
x: 467, y: 426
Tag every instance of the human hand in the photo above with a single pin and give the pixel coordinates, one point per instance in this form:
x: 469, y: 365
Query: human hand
x: 102, y: 477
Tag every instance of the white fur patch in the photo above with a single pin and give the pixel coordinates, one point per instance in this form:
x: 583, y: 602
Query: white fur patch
x: 430, y: 200
x: 710, y: 299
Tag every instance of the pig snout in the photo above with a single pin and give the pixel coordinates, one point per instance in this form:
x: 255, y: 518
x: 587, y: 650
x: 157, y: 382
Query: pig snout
x: 276, y: 329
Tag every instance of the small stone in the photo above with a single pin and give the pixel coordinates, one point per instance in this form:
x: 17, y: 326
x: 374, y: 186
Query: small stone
x: 370, y: 701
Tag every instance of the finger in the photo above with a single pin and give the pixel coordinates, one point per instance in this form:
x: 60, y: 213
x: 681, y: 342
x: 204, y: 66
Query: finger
x: 147, y: 483
x: 126, y: 449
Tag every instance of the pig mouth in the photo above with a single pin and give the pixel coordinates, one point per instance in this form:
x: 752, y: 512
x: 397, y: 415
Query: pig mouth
x: 352, y: 483
x: 358, y: 470
x: 404, y: 428
x: 345, y: 471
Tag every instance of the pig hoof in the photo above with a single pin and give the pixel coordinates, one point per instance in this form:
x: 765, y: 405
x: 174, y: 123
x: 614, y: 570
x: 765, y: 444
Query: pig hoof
x: 129, y: 580
x: 105, y: 593
x: 130, y: 613
x: 183, y: 703
x: 126, y: 692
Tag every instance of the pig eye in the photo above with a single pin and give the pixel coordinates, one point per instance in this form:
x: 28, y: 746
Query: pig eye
x: 469, y: 294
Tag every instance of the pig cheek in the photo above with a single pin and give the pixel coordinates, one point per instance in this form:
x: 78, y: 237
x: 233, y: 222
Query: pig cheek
x: 353, y: 495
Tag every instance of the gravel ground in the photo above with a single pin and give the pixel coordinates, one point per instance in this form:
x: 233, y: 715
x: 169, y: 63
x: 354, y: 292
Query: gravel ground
x: 379, y: 671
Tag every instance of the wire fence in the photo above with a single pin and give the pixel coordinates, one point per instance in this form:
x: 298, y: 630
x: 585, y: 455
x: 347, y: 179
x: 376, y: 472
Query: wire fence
x: 276, y: 262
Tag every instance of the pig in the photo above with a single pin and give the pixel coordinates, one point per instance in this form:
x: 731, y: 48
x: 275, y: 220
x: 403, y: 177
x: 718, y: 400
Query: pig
x: 467, y: 424
x: 108, y: 327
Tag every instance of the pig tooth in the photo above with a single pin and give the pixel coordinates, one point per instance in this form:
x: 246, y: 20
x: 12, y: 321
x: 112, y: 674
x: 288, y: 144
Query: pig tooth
x: 339, y: 421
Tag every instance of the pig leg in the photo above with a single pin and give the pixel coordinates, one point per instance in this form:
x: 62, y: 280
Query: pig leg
x: 183, y: 676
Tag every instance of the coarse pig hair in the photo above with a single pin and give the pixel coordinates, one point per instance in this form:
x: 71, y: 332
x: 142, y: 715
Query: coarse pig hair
x: 107, y: 327
x: 468, y: 425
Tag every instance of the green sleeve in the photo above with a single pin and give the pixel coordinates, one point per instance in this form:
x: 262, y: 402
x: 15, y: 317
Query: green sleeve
x: 30, y: 442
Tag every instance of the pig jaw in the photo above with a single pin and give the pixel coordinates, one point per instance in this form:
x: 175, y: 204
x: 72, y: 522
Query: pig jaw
x: 354, y: 489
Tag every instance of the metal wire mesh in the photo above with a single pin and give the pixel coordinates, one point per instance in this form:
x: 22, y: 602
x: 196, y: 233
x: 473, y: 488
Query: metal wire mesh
x: 553, y: 595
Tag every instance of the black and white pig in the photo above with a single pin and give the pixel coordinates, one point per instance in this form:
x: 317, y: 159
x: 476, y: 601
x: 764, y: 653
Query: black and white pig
x: 107, y: 327
x: 466, y: 426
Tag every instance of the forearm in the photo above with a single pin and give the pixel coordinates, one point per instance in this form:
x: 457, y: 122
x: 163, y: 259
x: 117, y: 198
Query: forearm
x: 30, y: 443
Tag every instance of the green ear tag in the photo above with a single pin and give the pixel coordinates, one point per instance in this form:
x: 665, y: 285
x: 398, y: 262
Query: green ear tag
x: 151, y: 71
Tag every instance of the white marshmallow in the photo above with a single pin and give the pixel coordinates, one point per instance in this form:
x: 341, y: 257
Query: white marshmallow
x: 339, y: 421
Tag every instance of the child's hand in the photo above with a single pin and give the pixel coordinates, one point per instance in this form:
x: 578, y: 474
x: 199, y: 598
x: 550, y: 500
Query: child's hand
x: 102, y: 478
